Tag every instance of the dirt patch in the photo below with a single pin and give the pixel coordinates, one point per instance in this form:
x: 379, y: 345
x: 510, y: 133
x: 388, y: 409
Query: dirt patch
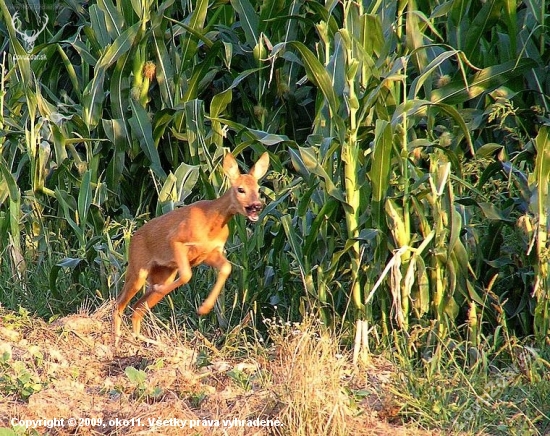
x: 65, y: 378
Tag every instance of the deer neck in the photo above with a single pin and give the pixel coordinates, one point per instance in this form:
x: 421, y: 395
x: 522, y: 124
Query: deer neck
x: 222, y: 209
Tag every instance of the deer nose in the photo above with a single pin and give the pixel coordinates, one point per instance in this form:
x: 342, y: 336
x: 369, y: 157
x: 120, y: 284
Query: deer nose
x: 257, y: 205
x: 254, y: 207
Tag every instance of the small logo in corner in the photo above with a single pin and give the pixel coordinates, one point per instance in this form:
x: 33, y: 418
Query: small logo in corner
x: 29, y: 37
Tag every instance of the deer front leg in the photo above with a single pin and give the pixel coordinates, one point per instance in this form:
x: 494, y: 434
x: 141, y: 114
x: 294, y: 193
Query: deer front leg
x: 218, y: 261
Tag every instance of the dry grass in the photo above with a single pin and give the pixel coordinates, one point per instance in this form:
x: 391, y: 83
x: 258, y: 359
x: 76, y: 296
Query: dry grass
x: 300, y: 385
x: 308, y: 374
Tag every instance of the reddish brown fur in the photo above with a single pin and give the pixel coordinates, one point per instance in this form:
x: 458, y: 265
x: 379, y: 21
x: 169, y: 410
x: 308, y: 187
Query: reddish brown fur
x: 179, y: 240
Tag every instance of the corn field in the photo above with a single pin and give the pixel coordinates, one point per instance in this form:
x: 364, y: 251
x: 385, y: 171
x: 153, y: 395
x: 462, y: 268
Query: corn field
x: 409, y: 144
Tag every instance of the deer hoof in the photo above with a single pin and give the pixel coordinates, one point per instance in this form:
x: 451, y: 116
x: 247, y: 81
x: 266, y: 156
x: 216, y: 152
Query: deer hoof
x: 204, y: 310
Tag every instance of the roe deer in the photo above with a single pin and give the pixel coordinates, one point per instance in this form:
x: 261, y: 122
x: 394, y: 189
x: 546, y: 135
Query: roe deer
x: 183, y: 238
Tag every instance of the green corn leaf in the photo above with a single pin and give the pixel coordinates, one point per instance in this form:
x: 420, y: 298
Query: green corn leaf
x: 485, y: 80
x: 316, y: 72
x: 94, y: 94
x: 217, y: 107
x: 161, y: 121
x: 427, y: 73
x: 296, y: 249
x: 455, y: 229
x: 84, y: 198
x: 484, y: 20
x: 542, y: 205
x: 380, y: 167
x: 204, y: 69
x: 9, y: 184
x: 313, y: 232
x: 250, y: 21
x: 99, y: 26
x: 93, y: 98
x: 66, y: 201
x: 119, y: 47
x: 83, y: 50
x: 510, y: 18
x: 196, y: 23
x: 186, y: 179
x: 23, y: 60
x: 421, y: 298
x: 164, y: 71
x: 114, y: 21
x: 380, y: 171
x: 492, y: 212
x: 458, y: 11
x: 194, y: 122
x: 115, y: 132
x: 307, y: 159
x: 120, y: 89
x: 178, y: 186
x: 142, y: 130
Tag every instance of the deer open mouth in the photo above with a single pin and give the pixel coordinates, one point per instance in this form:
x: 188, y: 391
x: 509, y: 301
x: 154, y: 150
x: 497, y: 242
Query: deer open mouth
x: 253, y: 212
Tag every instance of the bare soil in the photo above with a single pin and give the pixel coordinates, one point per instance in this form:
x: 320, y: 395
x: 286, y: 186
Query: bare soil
x: 67, y: 374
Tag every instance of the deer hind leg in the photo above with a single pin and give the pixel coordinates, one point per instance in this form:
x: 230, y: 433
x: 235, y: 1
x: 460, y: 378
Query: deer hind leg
x: 135, y: 279
x: 218, y: 261
x: 181, y: 258
x: 158, y: 276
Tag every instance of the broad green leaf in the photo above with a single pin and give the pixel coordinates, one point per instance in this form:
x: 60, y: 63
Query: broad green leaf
x: 307, y: 159
x: 161, y: 121
x: 178, y: 186
x: 99, y: 26
x: 427, y: 73
x: 143, y: 132
x: 196, y: 23
x: 458, y: 12
x: 83, y: 50
x: 119, y: 47
x: 94, y: 94
x: 492, y: 212
x: 113, y: 19
x: 66, y: 203
x: 542, y: 205
x: 336, y: 67
x: 200, y: 72
x: 421, y: 298
x: 483, y: 22
x: 380, y: 167
x: 186, y: 179
x: 316, y: 72
x: 455, y: 224
x: 120, y: 90
x: 93, y: 98
x: 296, y: 249
x: 10, y: 185
x: 194, y: 123
x: 84, y: 197
x: 218, y: 105
x: 23, y: 60
x: 485, y: 80
x: 164, y: 71
x: 250, y: 21
x: 265, y: 138
x: 510, y: 18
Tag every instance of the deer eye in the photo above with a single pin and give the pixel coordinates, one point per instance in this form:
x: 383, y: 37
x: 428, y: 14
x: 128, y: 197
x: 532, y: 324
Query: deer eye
x: 240, y: 190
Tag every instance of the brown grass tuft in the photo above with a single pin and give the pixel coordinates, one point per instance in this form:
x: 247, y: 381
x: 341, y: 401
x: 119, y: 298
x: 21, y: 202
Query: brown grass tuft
x: 307, y: 379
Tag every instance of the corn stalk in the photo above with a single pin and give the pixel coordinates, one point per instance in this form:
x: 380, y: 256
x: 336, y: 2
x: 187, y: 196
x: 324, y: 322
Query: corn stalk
x: 541, y: 207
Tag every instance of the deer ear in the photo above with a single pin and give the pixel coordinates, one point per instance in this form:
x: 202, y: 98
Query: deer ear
x: 260, y: 168
x: 231, y: 167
